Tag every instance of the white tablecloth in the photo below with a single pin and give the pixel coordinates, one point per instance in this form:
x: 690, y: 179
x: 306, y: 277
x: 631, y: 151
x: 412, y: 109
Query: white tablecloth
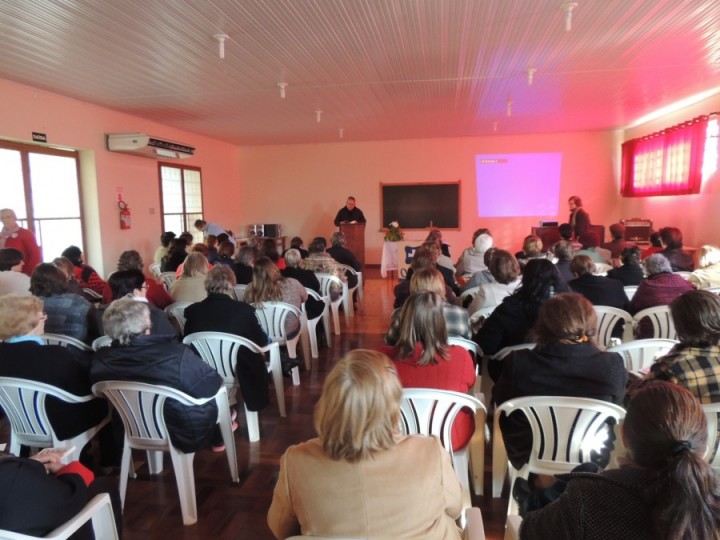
x: 389, y: 260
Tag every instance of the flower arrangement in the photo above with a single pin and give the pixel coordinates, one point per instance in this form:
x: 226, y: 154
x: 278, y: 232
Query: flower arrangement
x: 394, y: 233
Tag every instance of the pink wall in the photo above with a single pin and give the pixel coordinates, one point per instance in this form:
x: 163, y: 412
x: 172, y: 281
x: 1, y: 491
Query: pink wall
x: 303, y: 186
x: 79, y: 125
x: 697, y: 216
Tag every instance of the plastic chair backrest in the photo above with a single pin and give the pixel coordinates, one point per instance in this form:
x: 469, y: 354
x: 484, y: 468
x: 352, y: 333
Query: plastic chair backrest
x: 467, y: 296
x: 714, y: 290
x: 467, y: 344
x: 168, y: 278
x: 502, y: 353
x: 641, y: 353
x: 630, y: 291
x: 565, y: 429
x: 272, y: 317
x: 64, y: 341
x: 327, y: 283
x: 661, y: 320
x: 601, y: 269
x: 155, y: 270
x: 177, y: 312
x: 239, y: 291
x: 683, y: 274
x: 608, y: 317
x: 712, y: 412
x: 102, y: 341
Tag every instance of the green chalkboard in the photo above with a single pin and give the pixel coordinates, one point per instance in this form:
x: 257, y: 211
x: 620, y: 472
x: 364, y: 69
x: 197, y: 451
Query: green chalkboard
x: 421, y: 206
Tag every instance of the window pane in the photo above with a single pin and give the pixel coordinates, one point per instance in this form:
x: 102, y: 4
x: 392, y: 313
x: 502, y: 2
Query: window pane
x: 54, y: 185
x: 193, y: 192
x: 11, y: 179
x: 171, y: 190
x: 54, y: 235
x: 174, y: 223
x: 197, y: 235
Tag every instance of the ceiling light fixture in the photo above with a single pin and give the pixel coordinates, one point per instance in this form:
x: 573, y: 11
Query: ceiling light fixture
x: 318, y: 115
x: 221, y: 44
x: 568, y: 9
x: 282, y: 86
x: 530, y: 75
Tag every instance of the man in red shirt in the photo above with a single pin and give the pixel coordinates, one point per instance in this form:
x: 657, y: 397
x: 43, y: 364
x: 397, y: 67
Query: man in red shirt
x: 14, y: 236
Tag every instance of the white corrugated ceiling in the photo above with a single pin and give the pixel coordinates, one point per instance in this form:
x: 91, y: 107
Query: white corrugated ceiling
x: 379, y: 69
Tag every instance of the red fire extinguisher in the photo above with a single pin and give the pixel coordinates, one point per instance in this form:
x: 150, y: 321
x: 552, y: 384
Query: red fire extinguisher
x: 125, y: 214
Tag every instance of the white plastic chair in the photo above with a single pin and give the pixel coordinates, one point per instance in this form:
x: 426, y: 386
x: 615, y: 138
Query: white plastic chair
x: 64, y: 341
x: 468, y: 296
x: 312, y: 323
x: 512, y: 528
x: 474, y: 350
x: 601, y: 269
x: 661, y: 319
x: 478, y: 317
x: 608, y: 317
x: 328, y: 282
x: 683, y: 274
x: 712, y: 411
x: 176, y: 312
x: 219, y: 350
x: 432, y: 412
x: 141, y: 408
x: 564, y: 429
x: 640, y: 354
x: 630, y: 291
x: 714, y: 290
x: 92, y: 295
x: 239, y: 291
x: 102, y: 341
x: 24, y: 404
x: 167, y: 278
x: 272, y: 317
x: 360, y: 282
x: 487, y: 382
x: 98, y: 510
x: 155, y: 270
x: 348, y: 292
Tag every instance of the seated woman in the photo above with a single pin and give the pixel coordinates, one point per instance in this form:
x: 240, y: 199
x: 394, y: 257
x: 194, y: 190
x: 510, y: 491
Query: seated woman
x: 177, y: 251
x: 600, y: 290
x: 630, y: 273
x: 564, y: 252
x: 532, y: 249
x: 360, y: 478
x: 268, y: 285
x: 456, y: 318
x: 506, y: 271
x: 472, y: 260
x: 191, y: 285
x: 12, y: 279
x: 512, y: 320
x: 269, y: 248
x: 708, y: 271
x: 133, y: 284
x: 244, y: 261
x: 154, y: 290
x: 422, y: 258
x: 695, y: 362
x: 665, y: 489
x: 565, y: 362
x: 135, y: 355
x: 307, y: 278
x: 67, y: 314
x: 424, y: 359
x: 47, y: 493
x: 68, y: 268
x: 84, y: 274
x: 162, y: 250
x: 591, y: 247
x: 26, y: 356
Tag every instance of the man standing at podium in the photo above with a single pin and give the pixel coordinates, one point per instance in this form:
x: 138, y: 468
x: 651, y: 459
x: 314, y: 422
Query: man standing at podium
x: 349, y: 213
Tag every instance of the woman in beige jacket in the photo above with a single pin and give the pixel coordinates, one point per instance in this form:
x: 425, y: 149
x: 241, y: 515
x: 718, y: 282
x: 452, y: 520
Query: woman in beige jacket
x: 360, y: 478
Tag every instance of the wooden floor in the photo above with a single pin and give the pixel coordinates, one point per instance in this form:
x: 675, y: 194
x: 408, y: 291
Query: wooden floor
x: 238, y: 511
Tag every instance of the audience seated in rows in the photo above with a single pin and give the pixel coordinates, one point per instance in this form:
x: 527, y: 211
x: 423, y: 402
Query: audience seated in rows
x: 564, y: 253
x: 360, y: 478
x: 591, y: 247
x: 664, y: 489
x: 220, y: 312
x: 695, y: 362
x: 424, y: 359
x: 506, y: 273
x: 600, y: 290
x: 25, y: 356
x: 456, y: 318
x: 565, y: 362
x: 422, y: 258
x: 155, y: 291
x: 190, y: 287
x: 444, y: 261
x: 162, y: 250
x: 708, y: 272
x: 512, y: 320
x: 659, y: 289
x: 672, y: 240
x: 630, y: 272
x: 12, y: 279
x: 307, y: 278
x: 472, y: 260
x: 86, y: 276
x: 137, y: 356
x: 297, y: 243
x: 618, y: 242
x: 68, y: 314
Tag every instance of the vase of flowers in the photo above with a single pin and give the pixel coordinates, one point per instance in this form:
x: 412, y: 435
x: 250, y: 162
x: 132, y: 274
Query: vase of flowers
x: 394, y: 234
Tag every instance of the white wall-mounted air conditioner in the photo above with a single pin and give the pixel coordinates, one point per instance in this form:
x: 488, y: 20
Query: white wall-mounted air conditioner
x: 140, y: 144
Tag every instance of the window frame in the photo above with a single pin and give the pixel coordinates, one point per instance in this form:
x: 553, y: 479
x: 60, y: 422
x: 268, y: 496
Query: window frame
x: 184, y: 213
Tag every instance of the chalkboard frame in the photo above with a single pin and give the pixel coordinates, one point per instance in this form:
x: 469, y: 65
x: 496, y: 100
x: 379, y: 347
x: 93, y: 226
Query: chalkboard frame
x: 392, y: 193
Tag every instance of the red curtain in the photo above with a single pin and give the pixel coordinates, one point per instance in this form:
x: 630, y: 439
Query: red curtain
x: 668, y: 162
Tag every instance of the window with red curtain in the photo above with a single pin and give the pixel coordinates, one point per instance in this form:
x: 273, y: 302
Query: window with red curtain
x: 668, y: 162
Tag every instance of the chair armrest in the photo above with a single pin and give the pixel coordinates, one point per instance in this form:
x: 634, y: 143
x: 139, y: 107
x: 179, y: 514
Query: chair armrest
x: 512, y: 527
x: 99, y: 510
x: 474, y: 529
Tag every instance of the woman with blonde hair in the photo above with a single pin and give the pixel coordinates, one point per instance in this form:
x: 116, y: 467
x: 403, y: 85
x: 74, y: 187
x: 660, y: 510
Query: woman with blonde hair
x: 665, y: 490
x: 268, y: 285
x: 190, y: 287
x: 360, y: 477
x: 424, y: 359
x: 708, y: 271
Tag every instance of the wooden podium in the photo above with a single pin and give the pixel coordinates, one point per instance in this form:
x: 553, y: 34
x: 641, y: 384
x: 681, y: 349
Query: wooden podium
x: 355, y: 239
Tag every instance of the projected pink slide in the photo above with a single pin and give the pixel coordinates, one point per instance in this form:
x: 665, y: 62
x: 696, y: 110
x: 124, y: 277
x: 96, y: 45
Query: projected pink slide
x: 514, y: 185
